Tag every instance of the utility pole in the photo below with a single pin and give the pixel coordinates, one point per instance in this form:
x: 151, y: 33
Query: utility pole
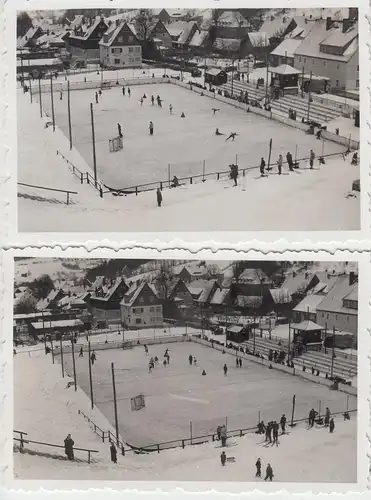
x: 232, y: 75
x: 302, y: 84
x: 51, y: 342
x: 269, y: 155
x: 254, y: 332
x: 91, y: 380
x: 115, y: 401
x: 73, y: 363
x: 333, y: 353
x: 62, y: 356
x: 41, y: 106
x: 29, y: 87
x: 69, y: 113
x: 266, y: 82
x: 309, y: 94
x: 288, y: 347
x: 52, y: 101
x: 93, y: 138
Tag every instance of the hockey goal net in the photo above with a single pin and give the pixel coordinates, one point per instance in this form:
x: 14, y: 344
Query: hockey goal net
x: 115, y: 144
x: 137, y: 403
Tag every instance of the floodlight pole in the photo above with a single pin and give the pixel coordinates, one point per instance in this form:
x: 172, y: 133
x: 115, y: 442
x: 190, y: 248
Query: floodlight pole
x: 115, y: 401
x: 90, y: 379
x: 93, y: 139
x: 29, y: 82
x: 309, y: 94
x: 52, y: 101
x: 41, y: 107
x: 333, y: 353
x: 74, y: 363
x: 69, y: 113
x: 62, y: 363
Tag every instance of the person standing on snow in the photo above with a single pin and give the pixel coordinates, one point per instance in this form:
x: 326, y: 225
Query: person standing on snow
x: 332, y: 425
x: 289, y: 161
x: 283, y: 424
x: 262, y: 166
x: 258, y: 466
x: 269, y: 473
x: 151, y: 128
x: 225, y: 369
x: 68, y: 447
x: 311, y: 158
x: 113, y: 453
x: 279, y: 164
x: 223, y: 458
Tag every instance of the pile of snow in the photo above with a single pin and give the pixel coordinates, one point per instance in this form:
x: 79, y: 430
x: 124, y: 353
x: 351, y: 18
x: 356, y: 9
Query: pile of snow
x: 47, y: 410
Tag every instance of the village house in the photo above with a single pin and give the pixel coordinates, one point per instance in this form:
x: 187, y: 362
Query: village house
x: 119, y: 47
x: 297, y: 285
x: 104, y: 304
x: 181, y: 33
x: 191, y: 271
x: 83, y: 41
x: 331, y: 51
x: 253, y: 282
x: 29, y: 40
x: 307, y: 308
x: 51, y: 301
x: 339, y: 308
x: 140, y: 307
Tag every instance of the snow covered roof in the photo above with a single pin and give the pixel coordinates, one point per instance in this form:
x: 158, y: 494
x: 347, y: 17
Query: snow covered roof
x: 232, y: 44
x: 253, y: 276
x: 280, y: 295
x: 287, y: 47
x: 214, y: 71
x: 33, y: 315
x: 199, y: 38
x: 235, y: 329
x: 249, y: 301
x: 40, y: 62
x: 219, y: 296
x: 276, y: 26
x: 53, y: 295
x: 298, y: 283
x: 333, y: 301
x: 134, y: 292
x: 311, y: 45
x: 285, y: 69
x: 307, y: 326
x: 201, y: 289
x: 62, y: 323
x: 259, y: 39
x: 309, y: 304
x: 232, y: 18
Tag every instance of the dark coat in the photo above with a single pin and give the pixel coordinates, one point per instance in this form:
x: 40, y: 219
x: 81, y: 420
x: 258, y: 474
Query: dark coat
x: 113, y: 453
x: 68, y: 447
x: 289, y: 158
x: 159, y: 196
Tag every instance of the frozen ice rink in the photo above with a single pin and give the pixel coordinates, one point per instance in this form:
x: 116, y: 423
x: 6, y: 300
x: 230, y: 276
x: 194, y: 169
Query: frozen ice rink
x: 178, y: 394
x: 181, y: 142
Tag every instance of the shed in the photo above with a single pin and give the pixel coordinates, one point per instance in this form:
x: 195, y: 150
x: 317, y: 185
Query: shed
x: 285, y: 78
x: 307, y: 332
x: 216, y: 76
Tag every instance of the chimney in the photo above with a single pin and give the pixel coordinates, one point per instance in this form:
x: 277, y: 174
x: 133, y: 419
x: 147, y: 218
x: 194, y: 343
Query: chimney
x: 329, y: 23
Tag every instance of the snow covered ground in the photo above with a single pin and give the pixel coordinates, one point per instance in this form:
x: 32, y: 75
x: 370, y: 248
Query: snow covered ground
x: 306, y: 199
x: 187, y: 396
x: 47, y: 410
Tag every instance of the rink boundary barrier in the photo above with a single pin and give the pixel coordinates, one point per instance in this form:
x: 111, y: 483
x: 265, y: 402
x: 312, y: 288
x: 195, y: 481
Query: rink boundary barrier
x: 23, y: 441
x: 151, y: 186
x: 67, y: 191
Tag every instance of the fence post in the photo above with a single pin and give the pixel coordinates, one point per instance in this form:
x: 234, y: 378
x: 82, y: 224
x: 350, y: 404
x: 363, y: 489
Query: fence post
x: 136, y: 190
x: 158, y: 448
x: 101, y: 192
x: 88, y: 456
x: 82, y: 178
x: 183, y: 444
x: 68, y: 197
x: 217, y: 176
x: 22, y: 443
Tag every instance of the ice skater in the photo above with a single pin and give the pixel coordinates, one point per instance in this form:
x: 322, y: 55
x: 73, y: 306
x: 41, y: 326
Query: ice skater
x: 151, y: 128
x: 217, y: 132
x: 141, y: 101
x: 119, y: 130
x: 61, y: 94
x: 182, y: 115
x: 223, y: 458
x: 150, y: 366
x: 225, y: 369
x: 279, y: 164
x: 113, y: 453
x: 283, y: 424
x: 289, y: 161
x: 190, y: 359
x: 96, y: 98
x: 232, y: 136
x: 81, y: 353
x: 171, y: 109
x: 258, y: 466
x: 93, y: 358
x: 152, y: 100
x: 269, y: 473
x: 123, y: 90
x: 262, y: 167
x: 129, y: 92
x: 215, y: 110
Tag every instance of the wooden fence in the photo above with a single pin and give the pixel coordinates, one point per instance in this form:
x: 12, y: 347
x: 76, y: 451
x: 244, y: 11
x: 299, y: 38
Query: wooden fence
x: 68, y: 192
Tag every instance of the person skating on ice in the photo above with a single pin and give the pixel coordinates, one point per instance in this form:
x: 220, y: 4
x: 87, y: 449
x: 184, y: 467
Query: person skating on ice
x: 232, y: 136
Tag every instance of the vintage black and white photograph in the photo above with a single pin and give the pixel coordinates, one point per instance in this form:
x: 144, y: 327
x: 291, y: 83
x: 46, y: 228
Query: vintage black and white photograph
x: 185, y: 370
x: 145, y: 119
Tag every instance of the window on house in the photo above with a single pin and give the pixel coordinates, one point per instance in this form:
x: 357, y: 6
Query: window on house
x: 131, y: 38
x: 141, y: 300
x: 312, y: 61
x: 338, y: 66
x: 305, y: 59
x: 323, y: 315
x: 357, y: 84
x: 138, y: 321
x: 151, y: 309
x: 348, y: 319
x: 112, y: 51
x: 300, y: 59
x: 131, y: 50
x: 337, y: 83
x: 328, y: 315
x: 137, y: 49
x: 120, y: 39
x: 357, y: 67
x: 158, y: 309
x: 137, y: 58
x: 324, y: 63
x: 117, y: 61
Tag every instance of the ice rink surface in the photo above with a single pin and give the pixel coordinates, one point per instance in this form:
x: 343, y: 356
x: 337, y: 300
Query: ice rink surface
x: 177, y: 394
x: 182, y: 143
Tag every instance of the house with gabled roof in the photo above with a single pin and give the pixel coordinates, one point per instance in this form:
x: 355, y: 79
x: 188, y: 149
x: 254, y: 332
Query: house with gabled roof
x: 29, y: 40
x: 339, y: 308
x: 141, y: 307
x: 84, y: 40
x: 119, y: 47
x: 182, y: 32
x: 104, y: 304
x: 331, y: 50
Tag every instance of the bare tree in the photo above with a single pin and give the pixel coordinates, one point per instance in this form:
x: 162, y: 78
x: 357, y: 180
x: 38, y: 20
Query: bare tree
x: 143, y: 23
x: 164, y: 279
x: 25, y: 305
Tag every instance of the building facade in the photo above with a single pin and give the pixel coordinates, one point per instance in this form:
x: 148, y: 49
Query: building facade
x: 141, y: 307
x: 119, y: 47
